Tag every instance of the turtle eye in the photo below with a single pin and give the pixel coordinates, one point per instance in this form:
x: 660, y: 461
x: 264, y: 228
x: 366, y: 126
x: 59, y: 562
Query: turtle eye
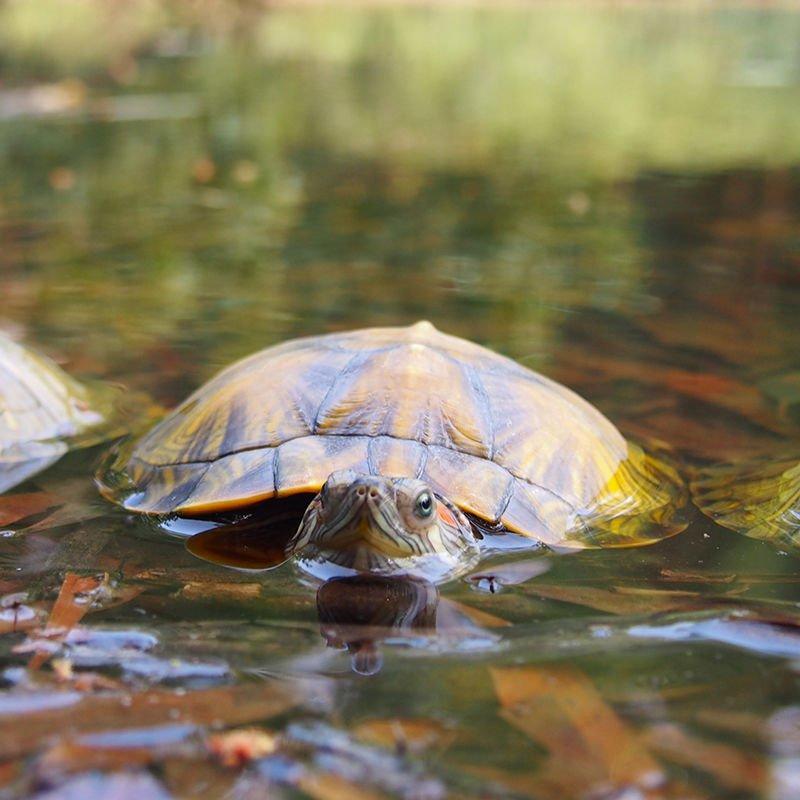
x: 423, y: 505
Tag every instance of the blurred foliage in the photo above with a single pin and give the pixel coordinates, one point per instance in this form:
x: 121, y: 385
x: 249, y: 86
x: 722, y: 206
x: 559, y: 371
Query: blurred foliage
x: 584, y: 91
x: 184, y: 178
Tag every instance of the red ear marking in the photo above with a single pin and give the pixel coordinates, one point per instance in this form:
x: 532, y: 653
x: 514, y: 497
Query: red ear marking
x: 446, y: 515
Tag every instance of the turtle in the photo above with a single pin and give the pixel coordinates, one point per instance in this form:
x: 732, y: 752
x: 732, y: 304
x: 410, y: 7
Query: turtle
x: 416, y: 445
x: 759, y: 498
x: 44, y: 412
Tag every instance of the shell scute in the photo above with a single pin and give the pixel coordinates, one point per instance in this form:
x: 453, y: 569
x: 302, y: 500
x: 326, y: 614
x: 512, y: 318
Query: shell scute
x: 165, y: 490
x: 400, y: 457
x: 304, y: 464
x: 480, y: 487
x: 255, y: 403
x: 542, y: 514
x: 248, y: 477
x: 549, y: 436
x: 362, y: 402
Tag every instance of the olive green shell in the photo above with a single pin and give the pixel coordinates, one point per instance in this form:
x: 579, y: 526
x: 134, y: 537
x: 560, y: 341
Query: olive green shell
x: 43, y: 412
x: 502, y: 442
x: 760, y: 499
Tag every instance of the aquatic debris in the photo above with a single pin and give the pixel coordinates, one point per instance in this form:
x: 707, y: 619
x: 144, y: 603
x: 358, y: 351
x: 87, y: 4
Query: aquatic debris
x: 221, y: 592
x: 73, y: 601
x: 177, y: 671
x: 84, y: 681
x: 238, y: 747
x: 124, y: 650
x: 66, y: 502
x: 78, y: 595
x: 495, y: 578
x: 742, y: 630
x: 16, y: 614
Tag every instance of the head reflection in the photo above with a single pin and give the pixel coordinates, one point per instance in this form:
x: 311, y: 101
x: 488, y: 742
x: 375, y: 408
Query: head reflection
x: 357, y: 613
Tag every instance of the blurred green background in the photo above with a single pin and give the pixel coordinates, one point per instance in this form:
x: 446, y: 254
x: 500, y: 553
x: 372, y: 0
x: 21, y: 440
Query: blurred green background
x: 183, y: 183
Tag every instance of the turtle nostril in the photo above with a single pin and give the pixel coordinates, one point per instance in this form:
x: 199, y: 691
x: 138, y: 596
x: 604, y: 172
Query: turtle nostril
x: 361, y: 491
x: 373, y: 493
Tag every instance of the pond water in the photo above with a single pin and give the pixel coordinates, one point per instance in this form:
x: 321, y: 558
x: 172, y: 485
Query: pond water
x: 610, y: 196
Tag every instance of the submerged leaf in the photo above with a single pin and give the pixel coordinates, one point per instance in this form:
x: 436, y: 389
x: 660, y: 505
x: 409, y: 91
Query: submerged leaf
x: 617, y: 601
x: 28, y: 506
x: 28, y: 720
x: 729, y: 765
x: 327, y: 786
x: 589, y: 746
x: 413, y: 735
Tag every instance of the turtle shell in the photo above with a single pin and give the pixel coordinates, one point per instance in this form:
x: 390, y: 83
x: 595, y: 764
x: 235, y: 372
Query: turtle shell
x: 43, y: 412
x: 505, y: 444
x: 760, y: 499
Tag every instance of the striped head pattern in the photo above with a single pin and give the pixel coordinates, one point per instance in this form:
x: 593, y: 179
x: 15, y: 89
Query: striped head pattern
x: 386, y: 526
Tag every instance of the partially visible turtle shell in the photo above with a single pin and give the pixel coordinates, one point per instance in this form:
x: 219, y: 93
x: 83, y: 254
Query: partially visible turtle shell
x: 43, y: 413
x: 504, y: 443
x: 760, y: 499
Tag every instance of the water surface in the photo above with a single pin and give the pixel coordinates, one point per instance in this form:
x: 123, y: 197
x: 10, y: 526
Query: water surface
x: 611, y: 197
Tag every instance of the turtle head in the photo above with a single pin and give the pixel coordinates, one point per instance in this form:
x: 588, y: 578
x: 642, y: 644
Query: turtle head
x: 386, y: 526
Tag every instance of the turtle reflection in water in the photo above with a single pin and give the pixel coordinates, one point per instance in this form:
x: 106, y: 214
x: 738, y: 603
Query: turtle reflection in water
x: 411, y: 442
x: 356, y: 613
x: 44, y: 413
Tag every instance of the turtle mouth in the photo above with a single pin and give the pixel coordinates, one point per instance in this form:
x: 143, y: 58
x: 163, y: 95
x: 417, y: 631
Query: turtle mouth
x: 369, y: 524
